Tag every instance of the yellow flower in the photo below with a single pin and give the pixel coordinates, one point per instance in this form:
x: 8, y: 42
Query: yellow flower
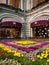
x: 9, y: 51
x: 33, y: 60
x: 17, y: 54
x: 42, y: 54
x: 38, y: 56
x: 48, y: 60
x: 41, y: 57
x: 45, y: 55
x: 47, y: 50
x: 22, y: 55
x: 13, y: 51
x: 24, y: 42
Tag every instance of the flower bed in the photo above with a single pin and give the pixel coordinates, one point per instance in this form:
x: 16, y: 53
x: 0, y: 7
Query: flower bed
x: 12, y: 57
x: 42, y: 58
x: 11, y: 54
x: 27, y: 49
x: 25, y: 42
x: 7, y: 50
x: 21, y: 42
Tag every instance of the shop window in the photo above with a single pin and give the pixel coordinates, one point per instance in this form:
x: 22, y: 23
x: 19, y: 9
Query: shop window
x: 41, y: 31
x: 10, y: 32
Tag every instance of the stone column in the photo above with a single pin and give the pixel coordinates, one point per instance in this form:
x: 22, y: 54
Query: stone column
x: 24, y: 7
x: 31, y: 4
x: 28, y: 4
x: 21, y: 6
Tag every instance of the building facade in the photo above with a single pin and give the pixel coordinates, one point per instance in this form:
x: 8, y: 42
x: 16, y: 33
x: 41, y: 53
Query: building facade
x: 33, y: 18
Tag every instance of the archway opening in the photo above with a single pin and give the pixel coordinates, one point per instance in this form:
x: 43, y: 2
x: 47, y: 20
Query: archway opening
x: 40, y: 29
x: 10, y: 28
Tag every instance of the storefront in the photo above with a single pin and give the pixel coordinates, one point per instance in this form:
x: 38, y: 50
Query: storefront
x: 10, y: 29
x: 40, y: 28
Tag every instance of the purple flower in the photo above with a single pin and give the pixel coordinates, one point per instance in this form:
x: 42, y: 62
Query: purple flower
x: 31, y: 48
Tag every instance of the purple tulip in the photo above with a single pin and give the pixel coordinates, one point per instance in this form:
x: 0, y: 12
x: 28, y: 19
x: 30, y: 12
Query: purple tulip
x: 31, y: 48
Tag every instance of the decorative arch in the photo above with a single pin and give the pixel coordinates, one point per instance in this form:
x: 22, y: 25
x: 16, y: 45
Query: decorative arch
x: 33, y: 17
x: 41, y: 20
x: 10, y: 23
x: 40, y: 25
x: 10, y: 15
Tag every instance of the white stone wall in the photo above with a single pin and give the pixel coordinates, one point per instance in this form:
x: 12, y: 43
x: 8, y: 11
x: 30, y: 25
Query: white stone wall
x: 29, y: 4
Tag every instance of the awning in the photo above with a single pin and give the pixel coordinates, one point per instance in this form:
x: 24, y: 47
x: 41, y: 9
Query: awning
x: 11, y: 23
x: 39, y: 23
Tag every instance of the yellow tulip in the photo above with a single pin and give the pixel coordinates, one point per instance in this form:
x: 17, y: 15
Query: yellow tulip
x: 48, y: 60
x: 10, y: 50
x: 42, y: 54
x: 33, y: 60
x: 17, y: 54
x: 45, y: 55
x: 24, y: 42
x: 38, y: 56
x: 41, y: 57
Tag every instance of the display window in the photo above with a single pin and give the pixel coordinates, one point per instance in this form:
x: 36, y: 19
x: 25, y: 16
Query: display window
x: 10, y: 32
